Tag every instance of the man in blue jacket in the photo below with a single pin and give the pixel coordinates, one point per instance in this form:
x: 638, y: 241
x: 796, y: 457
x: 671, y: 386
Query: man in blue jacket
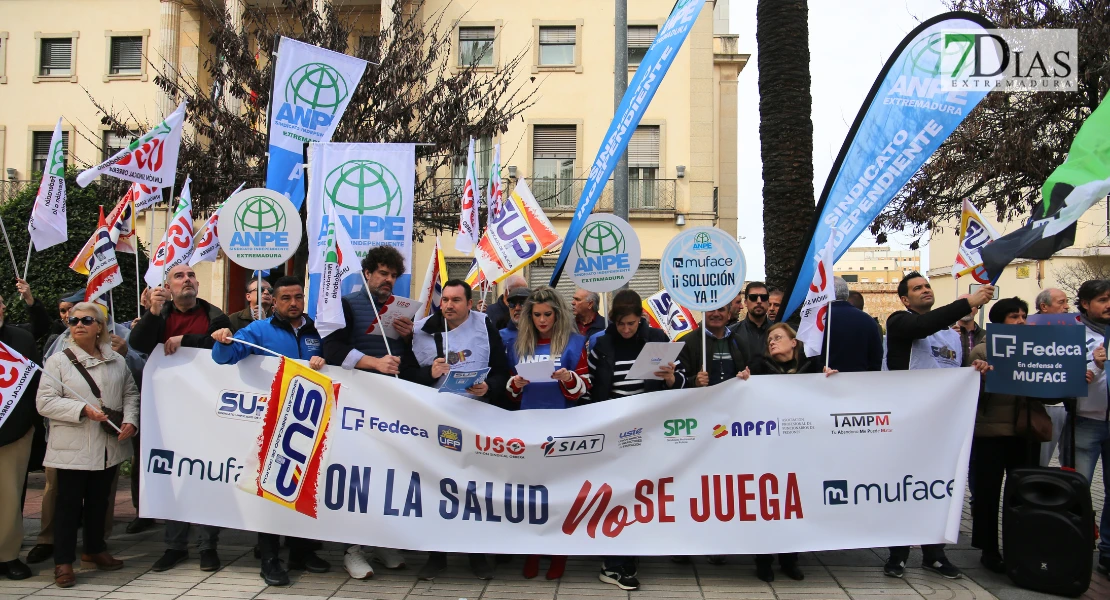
x: 855, y: 343
x: 289, y: 333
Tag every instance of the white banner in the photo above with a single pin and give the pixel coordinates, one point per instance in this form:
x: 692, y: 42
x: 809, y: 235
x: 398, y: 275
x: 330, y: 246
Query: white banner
x: 47, y: 226
x: 775, y: 464
x: 372, y: 187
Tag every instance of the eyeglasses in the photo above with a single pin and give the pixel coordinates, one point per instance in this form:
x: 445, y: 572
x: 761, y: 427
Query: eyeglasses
x: 517, y: 301
x: 82, y: 320
x: 759, y: 297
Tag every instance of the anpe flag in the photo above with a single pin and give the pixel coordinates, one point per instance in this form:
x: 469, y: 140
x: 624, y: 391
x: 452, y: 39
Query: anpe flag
x: 1073, y: 187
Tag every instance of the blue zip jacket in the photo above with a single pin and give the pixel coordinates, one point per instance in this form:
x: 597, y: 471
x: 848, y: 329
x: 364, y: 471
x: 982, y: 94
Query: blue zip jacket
x: 274, y: 333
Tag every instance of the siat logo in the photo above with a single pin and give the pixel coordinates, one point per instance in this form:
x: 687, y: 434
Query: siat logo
x: 260, y: 222
x: 313, y: 94
x: 601, y: 247
x: 367, y: 196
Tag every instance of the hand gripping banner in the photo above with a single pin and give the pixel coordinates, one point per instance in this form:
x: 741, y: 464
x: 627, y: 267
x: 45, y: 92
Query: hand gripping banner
x: 903, y: 121
x: 778, y: 463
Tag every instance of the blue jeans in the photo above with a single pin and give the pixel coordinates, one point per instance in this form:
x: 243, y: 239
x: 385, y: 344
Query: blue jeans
x: 1093, y: 440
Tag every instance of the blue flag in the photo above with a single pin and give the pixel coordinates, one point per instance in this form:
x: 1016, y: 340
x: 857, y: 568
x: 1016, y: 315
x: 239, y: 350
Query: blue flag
x: 903, y: 121
x: 649, y: 75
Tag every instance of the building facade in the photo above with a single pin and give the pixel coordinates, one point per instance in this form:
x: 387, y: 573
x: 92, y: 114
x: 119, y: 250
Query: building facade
x: 682, y: 158
x: 875, y: 273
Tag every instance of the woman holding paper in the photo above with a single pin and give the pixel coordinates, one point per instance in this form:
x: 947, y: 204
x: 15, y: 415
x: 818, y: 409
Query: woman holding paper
x: 784, y: 356
x: 546, y: 334
x: 82, y: 446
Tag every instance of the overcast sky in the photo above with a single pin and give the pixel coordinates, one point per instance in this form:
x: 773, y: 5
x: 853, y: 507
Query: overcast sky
x: 849, y: 40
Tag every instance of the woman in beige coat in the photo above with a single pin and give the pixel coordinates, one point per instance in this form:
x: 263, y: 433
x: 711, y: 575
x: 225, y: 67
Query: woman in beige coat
x: 85, y: 455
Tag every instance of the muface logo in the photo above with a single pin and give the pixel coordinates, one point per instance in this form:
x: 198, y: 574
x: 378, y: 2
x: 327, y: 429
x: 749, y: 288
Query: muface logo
x: 161, y: 462
x: 836, y: 491
x: 601, y: 247
x: 295, y: 439
x: 313, y: 94
x: 865, y: 422
x: 573, y: 445
x: 679, y: 430
x: 369, y: 201
x: 498, y: 446
x: 450, y: 437
x: 243, y: 406
x: 260, y: 222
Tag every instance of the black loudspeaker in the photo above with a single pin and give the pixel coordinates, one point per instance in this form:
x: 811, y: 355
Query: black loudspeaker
x: 1048, y: 530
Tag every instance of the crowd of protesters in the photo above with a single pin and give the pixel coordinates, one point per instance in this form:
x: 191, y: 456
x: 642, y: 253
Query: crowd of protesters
x: 81, y: 446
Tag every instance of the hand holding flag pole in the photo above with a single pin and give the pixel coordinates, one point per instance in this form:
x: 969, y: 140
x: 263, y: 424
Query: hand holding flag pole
x: 378, y: 317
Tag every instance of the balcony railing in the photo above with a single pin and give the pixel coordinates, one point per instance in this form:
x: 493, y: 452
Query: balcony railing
x: 10, y: 187
x: 557, y: 196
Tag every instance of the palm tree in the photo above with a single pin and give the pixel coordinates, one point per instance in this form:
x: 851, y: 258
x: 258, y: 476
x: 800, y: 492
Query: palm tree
x: 785, y: 133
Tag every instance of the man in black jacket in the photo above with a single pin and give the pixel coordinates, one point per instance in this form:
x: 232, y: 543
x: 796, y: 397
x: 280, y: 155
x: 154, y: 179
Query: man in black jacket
x: 855, y: 343
x: 16, y: 434
x: 726, y: 356
x: 751, y: 331
x: 922, y: 338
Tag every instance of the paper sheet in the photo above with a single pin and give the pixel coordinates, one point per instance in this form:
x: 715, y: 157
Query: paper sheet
x: 652, y: 357
x: 399, y: 307
x: 539, y: 371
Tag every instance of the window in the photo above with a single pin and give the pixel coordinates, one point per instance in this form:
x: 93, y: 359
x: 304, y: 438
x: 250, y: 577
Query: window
x: 114, y: 142
x: 40, y: 149
x: 476, y: 46
x: 639, y: 39
x: 483, y: 156
x: 851, y: 278
x: 557, y: 45
x: 865, y: 280
x: 126, y: 56
x: 643, y: 168
x: 3, y: 56
x: 57, y: 57
x: 368, y: 46
x: 553, y: 152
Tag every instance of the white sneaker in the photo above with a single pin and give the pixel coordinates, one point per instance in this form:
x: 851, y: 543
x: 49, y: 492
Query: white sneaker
x: 389, y: 558
x: 356, y: 564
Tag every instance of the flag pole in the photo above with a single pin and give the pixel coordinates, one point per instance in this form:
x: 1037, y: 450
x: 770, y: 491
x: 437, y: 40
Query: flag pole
x: 704, y: 358
x: 378, y: 317
x: 138, y: 288
x: 15, y: 268
x: 70, y: 390
x: 27, y: 263
x: 828, y: 334
x: 112, y: 312
x: 258, y: 296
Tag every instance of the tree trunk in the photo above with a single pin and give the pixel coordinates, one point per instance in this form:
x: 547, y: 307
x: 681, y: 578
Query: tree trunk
x: 785, y: 133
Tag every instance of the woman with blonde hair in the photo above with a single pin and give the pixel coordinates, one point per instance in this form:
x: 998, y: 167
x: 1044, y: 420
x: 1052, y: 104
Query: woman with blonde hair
x: 82, y: 446
x: 546, y: 329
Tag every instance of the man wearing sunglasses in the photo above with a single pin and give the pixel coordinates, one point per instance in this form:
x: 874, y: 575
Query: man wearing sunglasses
x: 498, y: 312
x: 751, y: 331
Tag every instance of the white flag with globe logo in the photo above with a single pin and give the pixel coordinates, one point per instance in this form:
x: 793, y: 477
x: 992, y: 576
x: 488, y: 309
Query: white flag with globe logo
x: 312, y: 87
x: 372, y: 187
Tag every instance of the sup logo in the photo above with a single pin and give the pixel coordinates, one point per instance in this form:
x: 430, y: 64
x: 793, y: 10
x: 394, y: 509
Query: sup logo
x: 243, y: 406
x: 369, y: 198
x: 260, y: 222
x: 313, y: 94
x: 601, y: 247
x: 703, y: 243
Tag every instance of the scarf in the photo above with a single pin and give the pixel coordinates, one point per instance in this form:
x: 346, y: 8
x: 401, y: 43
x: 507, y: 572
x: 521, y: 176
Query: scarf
x: 1100, y: 328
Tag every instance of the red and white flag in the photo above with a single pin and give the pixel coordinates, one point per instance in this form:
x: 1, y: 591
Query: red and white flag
x: 151, y: 159
x: 208, y: 241
x: 103, y: 269
x: 16, y: 372
x: 145, y: 196
x: 467, y: 235
x: 177, y: 244
x: 815, y: 309
x: 495, y: 193
x: 48, y: 217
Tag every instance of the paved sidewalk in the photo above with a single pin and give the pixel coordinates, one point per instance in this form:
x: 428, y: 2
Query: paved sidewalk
x: 855, y: 574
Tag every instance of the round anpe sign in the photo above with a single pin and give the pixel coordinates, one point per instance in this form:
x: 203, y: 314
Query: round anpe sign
x: 703, y: 268
x: 606, y: 254
x: 259, y: 229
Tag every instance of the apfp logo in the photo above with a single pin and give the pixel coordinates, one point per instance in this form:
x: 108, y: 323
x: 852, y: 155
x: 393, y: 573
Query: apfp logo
x: 260, y: 223
x: 368, y: 197
x: 313, y: 94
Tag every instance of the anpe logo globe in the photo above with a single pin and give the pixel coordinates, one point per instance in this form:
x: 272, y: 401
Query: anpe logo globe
x: 928, y: 56
x: 258, y: 228
x: 600, y: 238
x: 702, y: 242
x: 316, y: 86
x: 259, y: 213
x: 368, y: 195
x: 605, y: 255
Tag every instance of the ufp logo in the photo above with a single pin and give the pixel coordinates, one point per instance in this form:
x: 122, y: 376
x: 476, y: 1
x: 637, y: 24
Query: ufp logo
x: 450, y: 437
x: 244, y: 406
x: 259, y: 222
x: 572, y: 445
x: 368, y: 199
x: 313, y: 94
x: 296, y: 439
x: 601, y: 247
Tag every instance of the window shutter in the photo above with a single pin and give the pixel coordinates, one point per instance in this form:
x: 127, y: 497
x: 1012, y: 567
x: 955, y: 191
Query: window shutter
x: 127, y: 54
x: 557, y: 35
x: 42, y: 142
x: 475, y: 34
x: 641, y: 36
x: 554, y: 141
x: 643, y: 148
x: 57, y: 53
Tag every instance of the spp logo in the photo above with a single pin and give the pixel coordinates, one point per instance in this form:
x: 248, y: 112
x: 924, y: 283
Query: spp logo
x: 242, y: 406
x: 160, y: 462
x: 450, y: 437
x: 313, y: 94
x: 295, y: 439
x: 836, y: 492
x: 498, y: 446
x: 573, y: 445
x: 679, y: 430
x: 368, y: 199
x: 259, y: 222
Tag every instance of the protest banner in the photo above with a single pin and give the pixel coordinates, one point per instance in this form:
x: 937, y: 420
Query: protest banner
x: 1048, y: 361
x: 702, y: 268
x: 605, y: 255
x: 773, y: 464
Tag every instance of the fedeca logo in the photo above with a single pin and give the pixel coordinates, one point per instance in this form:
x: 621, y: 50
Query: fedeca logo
x: 863, y: 422
x: 313, y: 94
x: 396, y: 427
x: 242, y: 406
x: 573, y: 445
x: 498, y: 446
x: 450, y: 438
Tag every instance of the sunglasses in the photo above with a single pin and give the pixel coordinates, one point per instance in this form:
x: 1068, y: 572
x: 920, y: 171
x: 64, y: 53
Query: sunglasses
x: 517, y: 301
x: 759, y: 297
x: 82, y: 320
